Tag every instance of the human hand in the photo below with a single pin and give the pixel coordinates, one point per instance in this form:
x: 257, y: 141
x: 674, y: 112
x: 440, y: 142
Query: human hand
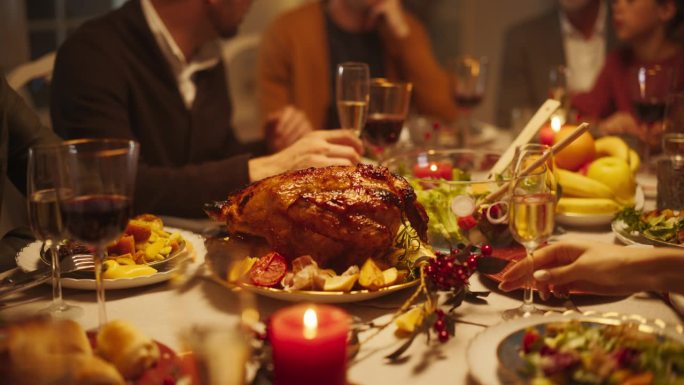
x: 285, y: 126
x: 621, y: 123
x: 580, y: 266
x: 314, y: 149
x: 392, y: 13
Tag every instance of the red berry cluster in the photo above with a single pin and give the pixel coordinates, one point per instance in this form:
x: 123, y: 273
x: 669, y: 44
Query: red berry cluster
x: 440, y: 327
x: 447, y: 273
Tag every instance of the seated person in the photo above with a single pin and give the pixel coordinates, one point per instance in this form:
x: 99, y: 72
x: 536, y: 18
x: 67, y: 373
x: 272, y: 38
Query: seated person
x: 19, y: 130
x: 575, y: 34
x: 651, y: 32
x: 599, y: 268
x: 301, y: 50
x: 151, y: 71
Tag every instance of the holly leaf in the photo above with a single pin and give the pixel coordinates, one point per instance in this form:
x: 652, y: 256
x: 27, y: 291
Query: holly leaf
x: 491, y: 265
x: 480, y: 293
x: 423, y: 328
x: 450, y: 322
x: 455, y: 299
x: 474, y: 299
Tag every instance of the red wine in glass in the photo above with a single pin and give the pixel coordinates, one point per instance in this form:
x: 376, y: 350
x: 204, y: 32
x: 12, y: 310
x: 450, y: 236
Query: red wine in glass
x: 96, y: 218
x: 649, y: 112
x: 383, y: 129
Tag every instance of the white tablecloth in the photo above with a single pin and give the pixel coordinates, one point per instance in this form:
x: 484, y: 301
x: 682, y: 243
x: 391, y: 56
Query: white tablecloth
x: 162, y: 312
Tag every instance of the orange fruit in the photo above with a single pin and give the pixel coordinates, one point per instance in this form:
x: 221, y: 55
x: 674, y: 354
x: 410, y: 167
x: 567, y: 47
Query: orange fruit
x: 576, y: 154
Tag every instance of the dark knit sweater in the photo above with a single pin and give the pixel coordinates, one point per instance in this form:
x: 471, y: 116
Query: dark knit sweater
x: 111, y: 80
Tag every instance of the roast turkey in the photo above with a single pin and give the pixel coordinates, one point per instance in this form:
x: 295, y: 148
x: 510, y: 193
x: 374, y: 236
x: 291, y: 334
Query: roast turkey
x: 339, y: 215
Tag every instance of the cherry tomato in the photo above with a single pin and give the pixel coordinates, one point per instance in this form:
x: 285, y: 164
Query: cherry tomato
x: 268, y: 270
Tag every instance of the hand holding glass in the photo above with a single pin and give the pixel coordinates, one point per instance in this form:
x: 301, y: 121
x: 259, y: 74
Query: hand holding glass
x: 531, y: 217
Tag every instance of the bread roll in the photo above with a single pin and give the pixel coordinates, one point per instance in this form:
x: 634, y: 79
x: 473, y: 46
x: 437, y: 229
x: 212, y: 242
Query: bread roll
x: 42, y: 352
x: 127, y: 348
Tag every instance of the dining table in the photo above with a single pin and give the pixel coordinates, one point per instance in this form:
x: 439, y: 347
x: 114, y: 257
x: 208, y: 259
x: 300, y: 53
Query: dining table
x: 164, y: 311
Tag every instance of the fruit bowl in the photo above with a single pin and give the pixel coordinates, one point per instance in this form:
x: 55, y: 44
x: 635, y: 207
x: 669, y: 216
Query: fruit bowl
x: 451, y: 185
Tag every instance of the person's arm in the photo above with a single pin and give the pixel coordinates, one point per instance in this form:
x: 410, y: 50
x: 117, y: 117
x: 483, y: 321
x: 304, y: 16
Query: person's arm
x: 432, y: 86
x: 274, y: 78
x: 599, y: 268
x: 89, y: 99
x: 23, y: 129
x: 515, y: 83
x: 598, y: 102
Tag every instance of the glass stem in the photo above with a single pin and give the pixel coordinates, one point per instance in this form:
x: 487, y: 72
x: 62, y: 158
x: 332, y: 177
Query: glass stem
x: 528, y: 295
x: 99, y: 285
x: 57, y: 302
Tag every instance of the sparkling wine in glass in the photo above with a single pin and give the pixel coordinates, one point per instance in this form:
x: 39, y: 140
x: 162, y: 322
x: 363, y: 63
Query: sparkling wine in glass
x: 45, y: 218
x: 387, y: 111
x: 99, y: 175
x: 469, y: 75
x: 531, y: 218
x: 352, y: 93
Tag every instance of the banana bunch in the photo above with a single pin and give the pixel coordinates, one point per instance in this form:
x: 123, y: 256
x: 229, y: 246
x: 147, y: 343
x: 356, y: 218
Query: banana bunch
x: 606, y: 185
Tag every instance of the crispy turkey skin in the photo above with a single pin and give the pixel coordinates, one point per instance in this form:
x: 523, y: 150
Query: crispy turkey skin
x: 340, y: 215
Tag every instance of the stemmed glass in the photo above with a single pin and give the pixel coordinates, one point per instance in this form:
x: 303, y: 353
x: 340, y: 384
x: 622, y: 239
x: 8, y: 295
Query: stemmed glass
x: 469, y: 75
x: 352, y: 94
x: 387, y: 110
x: 45, y: 218
x: 531, y: 217
x: 558, y: 90
x: 97, y: 178
x: 649, y: 88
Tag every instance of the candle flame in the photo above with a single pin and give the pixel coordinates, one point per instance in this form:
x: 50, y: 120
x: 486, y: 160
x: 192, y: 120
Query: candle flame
x: 556, y: 123
x: 433, y: 167
x: 310, y: 324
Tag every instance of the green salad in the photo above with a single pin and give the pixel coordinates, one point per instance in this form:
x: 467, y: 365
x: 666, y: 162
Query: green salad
x: 663, y: 225
x: 587, y: 353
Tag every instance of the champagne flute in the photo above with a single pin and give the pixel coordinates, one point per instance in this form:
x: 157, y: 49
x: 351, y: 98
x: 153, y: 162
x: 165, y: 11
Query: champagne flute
x: 97, y: 178
x: 352, y: 85
x: 531, y: 218
x: 45, y: 218
x: 469, y: 75
x: 387, y: 110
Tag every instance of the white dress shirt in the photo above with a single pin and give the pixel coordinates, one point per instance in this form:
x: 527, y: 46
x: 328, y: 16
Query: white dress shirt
x: 584, y: 57
x: 208, y: 55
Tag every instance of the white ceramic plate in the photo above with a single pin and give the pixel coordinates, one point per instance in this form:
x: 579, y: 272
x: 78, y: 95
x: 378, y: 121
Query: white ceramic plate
x: 596, y: 220
x: 28, y: 259
x: 486, y: 343
x: 326, y: 296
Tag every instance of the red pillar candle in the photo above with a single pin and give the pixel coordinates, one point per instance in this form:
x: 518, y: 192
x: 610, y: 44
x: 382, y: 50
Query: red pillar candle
x: 310, y: 345
x: 433, y: 170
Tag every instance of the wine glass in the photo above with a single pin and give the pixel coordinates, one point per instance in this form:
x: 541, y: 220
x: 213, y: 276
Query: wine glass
x: 469, y: 75
x: 649, y: 88
x: 387, y: 109
x: 352, y: 85
x: 45, y: 218
x: 531, y: 217
x: 673, y: 134
x: 558, y: 90
x: 97, y: 178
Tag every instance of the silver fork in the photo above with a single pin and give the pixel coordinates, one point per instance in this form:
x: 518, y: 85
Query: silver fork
x: 18, y: 280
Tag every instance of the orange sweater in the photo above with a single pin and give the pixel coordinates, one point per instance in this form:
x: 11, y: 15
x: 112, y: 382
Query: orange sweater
x: 294, y: 66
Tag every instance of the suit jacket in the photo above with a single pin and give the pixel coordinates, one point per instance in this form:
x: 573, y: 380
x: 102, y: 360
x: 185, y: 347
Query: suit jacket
x: 531, y: 49
x: 19, y: 130
x: 111, y: 80
x: 294, y: 66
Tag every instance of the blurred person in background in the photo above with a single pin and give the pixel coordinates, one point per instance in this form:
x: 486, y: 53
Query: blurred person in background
x: 302, y: 48
x: 652, y: 33
x: 20, y: 129
x: 575, y: 34
x: 152, y: 71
